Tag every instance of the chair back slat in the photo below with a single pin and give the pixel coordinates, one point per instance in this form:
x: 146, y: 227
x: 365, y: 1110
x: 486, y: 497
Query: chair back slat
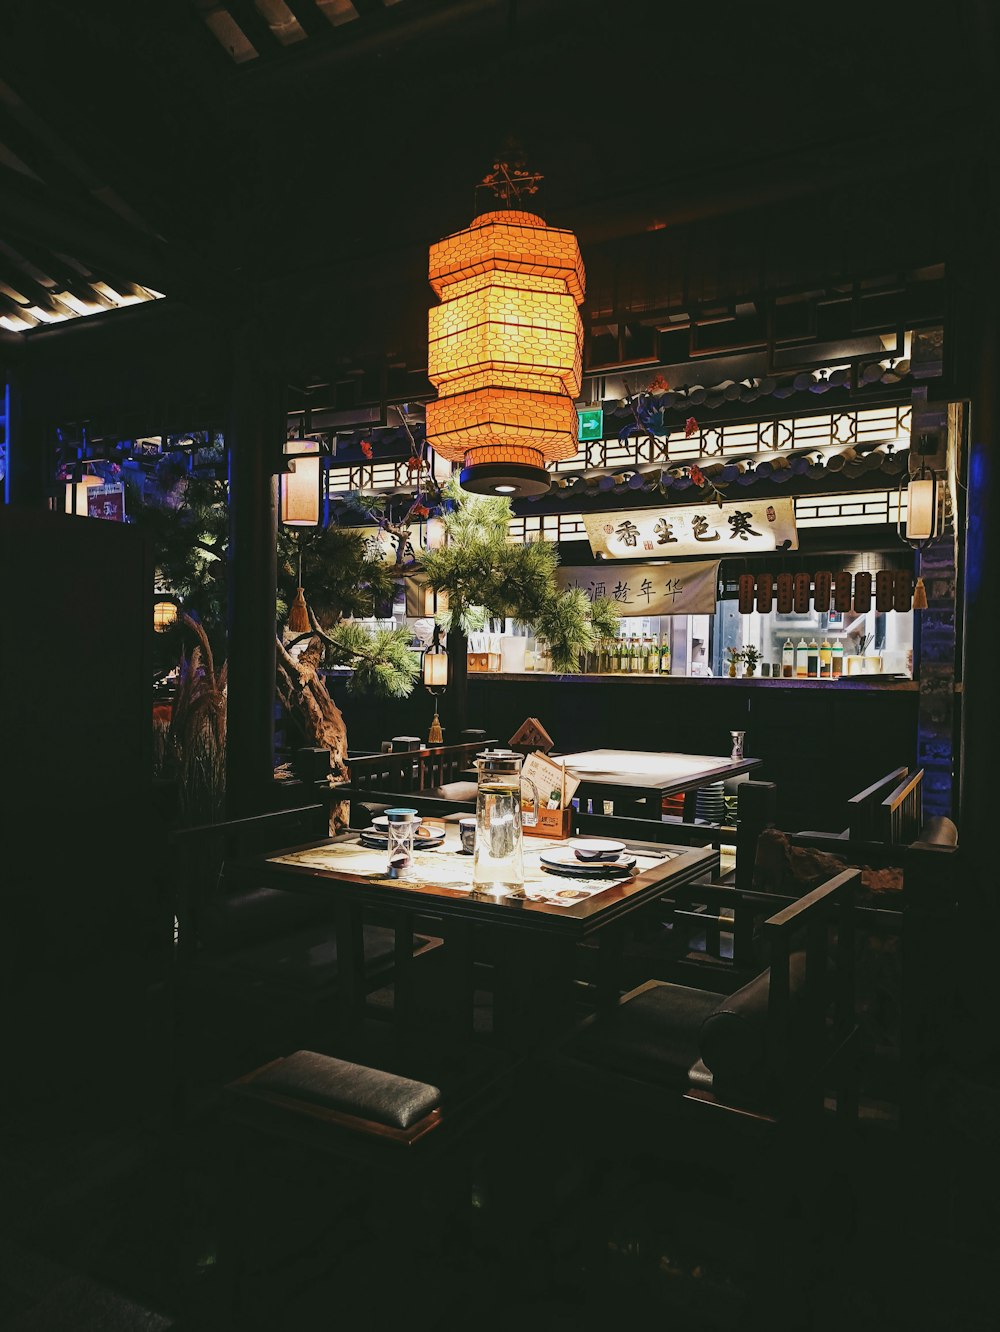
x: 862, y: 809
x: 900, y: 813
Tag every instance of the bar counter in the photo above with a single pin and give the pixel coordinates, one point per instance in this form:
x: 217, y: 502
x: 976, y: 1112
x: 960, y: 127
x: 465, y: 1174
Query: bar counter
x: 845, y: 682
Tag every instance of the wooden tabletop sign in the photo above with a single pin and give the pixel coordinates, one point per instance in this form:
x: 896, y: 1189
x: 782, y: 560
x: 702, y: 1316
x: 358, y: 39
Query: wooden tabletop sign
x: 531, y: 734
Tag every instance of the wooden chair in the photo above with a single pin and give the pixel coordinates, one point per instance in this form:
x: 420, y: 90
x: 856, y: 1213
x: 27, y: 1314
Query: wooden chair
x: 765, y: 1055
x: 249, y: 959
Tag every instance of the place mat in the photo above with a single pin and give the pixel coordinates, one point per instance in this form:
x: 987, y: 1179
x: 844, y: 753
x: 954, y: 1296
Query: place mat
x: 447, y: 867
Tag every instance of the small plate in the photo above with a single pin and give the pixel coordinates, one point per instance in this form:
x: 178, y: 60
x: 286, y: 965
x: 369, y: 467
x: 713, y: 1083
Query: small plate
x: 565, y: 862
x: 597, y: 850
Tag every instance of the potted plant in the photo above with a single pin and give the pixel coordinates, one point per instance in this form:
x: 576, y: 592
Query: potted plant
x: 751, y: 656
x: 735, y: 657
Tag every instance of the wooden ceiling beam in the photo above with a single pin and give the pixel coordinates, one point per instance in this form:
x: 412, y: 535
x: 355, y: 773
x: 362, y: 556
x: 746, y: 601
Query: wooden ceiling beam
x: 254, y: 26
x: 311, y: 20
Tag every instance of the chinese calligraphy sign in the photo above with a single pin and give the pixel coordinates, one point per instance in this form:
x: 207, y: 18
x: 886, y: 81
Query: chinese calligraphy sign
x: 650, y: 589
x: 752, y: 525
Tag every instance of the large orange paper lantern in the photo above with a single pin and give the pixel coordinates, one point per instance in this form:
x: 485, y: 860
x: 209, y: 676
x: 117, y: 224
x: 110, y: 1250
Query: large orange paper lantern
x: 505, y: 350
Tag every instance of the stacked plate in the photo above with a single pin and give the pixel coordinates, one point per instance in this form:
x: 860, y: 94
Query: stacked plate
x: 589, y: 857
x: 710, y: 803
x: 378, y: 838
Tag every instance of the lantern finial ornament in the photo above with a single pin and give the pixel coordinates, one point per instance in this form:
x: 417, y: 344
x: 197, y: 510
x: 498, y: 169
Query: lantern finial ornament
x: 505, y: 350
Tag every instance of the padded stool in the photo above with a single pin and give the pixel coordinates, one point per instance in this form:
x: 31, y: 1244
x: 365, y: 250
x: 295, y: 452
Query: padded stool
x: 373, y: 1121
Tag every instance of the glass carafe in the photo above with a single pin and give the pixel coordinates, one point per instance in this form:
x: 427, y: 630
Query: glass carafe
x: 498, y: 864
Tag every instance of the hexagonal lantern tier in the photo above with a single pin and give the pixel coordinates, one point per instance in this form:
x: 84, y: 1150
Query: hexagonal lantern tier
x: 505, y: 350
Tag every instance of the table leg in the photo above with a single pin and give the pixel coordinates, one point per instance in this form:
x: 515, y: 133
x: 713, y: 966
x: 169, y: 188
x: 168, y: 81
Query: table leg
x: 610, y: 942
x: 402, y: 1008
x: 459, y: 983
x: 350, y: 962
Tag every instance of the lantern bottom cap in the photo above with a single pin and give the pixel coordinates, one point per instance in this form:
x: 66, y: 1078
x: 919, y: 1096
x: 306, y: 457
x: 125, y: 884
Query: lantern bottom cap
x: 515, y: 480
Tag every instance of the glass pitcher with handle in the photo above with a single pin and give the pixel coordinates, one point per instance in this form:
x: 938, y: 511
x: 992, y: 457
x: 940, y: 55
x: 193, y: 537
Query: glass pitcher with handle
x: 498, y: 863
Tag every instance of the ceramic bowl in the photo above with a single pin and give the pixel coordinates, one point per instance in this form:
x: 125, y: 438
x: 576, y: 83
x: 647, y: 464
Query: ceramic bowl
x: 597, y: 848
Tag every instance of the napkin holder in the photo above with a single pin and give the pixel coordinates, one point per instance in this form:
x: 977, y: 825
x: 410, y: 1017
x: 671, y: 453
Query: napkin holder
x: 551, y: 823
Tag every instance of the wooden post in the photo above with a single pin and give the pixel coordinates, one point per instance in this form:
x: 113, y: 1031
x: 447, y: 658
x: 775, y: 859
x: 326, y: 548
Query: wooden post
x: 456, y: 700
x: 255, y: 438
x: 756, y: 806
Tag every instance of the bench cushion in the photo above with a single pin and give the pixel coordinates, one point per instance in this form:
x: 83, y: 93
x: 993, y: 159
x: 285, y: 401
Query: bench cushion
x: 353, y: 1089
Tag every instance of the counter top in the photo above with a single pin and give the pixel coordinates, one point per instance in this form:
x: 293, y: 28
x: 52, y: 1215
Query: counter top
x: 845, y: 683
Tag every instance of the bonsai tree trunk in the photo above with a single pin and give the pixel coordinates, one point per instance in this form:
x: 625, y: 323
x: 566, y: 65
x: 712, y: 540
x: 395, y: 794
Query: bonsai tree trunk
x: 303, y: 692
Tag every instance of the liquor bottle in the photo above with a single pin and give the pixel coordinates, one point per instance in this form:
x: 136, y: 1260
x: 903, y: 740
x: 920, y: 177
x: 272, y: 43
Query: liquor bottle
x: 788, y: 660
x: 801, y: 659
x: 825, y: 659
x: 665, y: 654
x: 623, y: 655
x: 636, y: 654
x: 812, y: 659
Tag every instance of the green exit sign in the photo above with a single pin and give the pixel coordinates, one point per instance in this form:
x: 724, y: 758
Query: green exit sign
x: 591, y: 423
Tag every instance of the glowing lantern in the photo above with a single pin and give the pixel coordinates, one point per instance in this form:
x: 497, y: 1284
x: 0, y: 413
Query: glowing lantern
x: 301, y: 486
x: 505, y: 351
x: 164, y: 615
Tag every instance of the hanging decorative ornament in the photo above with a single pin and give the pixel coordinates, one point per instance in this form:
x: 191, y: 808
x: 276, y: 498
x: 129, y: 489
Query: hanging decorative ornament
x: 822, y: 590
x: 843, y: 591
x: 784, y: 594
x: 765, y: 593
x: 298, y: 614
x: 920, y: 595
x: 862, y: 591
x: 903, y: 595
x: 505, y: 350
x: 885, y: 590
x: 800, y: 600
x: 745, y: 591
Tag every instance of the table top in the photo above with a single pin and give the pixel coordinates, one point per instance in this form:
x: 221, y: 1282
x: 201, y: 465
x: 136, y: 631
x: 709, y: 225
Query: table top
x: 342, y: 868
x: 669, y: 773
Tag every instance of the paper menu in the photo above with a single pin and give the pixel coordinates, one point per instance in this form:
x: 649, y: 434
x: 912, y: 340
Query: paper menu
x: 556, y: 787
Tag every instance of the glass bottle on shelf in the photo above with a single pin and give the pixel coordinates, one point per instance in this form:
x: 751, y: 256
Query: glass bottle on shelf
x: 652, y: 655
x: 665, y: 654
x: 812, y: 659
x: 801, y: 659
x: 623, y: 654
x: 635, y: 660
x: 825, y: 659
x: 788, y: 660
x: 837, y: 659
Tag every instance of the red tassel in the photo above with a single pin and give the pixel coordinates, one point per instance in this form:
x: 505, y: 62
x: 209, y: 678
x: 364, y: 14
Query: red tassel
x: 920, y: 596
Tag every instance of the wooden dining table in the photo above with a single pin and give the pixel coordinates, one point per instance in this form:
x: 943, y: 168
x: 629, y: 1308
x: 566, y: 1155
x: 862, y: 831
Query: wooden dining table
x: 636, y: 781
x: 535, y: 936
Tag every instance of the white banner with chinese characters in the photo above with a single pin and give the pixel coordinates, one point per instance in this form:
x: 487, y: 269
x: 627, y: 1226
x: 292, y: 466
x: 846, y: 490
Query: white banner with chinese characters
x: 649, y: 589
x: 704, y: 529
